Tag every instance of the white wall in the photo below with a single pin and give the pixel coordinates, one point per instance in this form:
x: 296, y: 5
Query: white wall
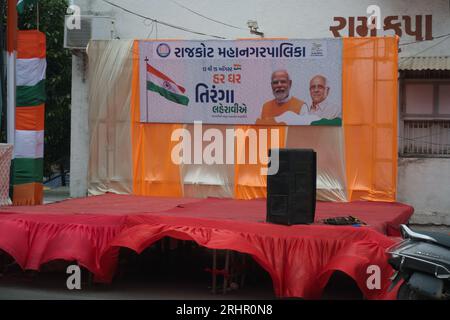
x: 287, y: 18
x: 79, y: 136
x: 424, y: 183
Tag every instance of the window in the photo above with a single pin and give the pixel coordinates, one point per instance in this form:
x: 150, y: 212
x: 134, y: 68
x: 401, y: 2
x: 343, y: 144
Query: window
x: 425, y: 118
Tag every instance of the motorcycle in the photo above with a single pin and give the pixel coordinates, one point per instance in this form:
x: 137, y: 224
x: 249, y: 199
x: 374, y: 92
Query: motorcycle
x: 422, y: 261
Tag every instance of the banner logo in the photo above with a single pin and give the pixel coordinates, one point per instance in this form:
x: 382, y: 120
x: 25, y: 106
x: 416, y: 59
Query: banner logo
x: 163, y: 50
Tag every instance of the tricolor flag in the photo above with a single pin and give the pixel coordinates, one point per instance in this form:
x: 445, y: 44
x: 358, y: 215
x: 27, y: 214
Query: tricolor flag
x: 160, y: 83
x: 28, y: 157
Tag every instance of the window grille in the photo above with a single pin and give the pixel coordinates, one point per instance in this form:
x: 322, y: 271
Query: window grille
x: 422, y: 138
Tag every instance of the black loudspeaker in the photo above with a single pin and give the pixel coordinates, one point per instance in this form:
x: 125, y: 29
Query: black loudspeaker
x: 291, y: 192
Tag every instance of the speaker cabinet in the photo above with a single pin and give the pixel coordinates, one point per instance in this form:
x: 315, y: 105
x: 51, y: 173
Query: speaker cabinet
x: 291, y: 192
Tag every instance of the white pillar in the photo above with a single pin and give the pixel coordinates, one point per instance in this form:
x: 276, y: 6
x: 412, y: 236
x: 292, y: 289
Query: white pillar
x: 11, y: 97
x: 79, y: 135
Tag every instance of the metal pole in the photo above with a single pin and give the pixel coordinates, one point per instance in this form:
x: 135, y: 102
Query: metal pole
x: 213, y: 273
x: 227, y: 271
x: 146, y: 90
x: 2, y: 63
x: 11, y: 69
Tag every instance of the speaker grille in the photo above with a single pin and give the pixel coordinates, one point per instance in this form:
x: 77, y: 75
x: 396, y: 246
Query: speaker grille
x: 291, y: 192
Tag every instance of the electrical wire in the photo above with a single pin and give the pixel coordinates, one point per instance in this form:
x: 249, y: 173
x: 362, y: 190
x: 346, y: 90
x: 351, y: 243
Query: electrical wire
x: 162, y: 22
x: 417, y: 139
x: 205, y: 17
x: 430, y: 47
x: 151, y: 31
x: 434, y: 38
x: 426, y: 142
x: 427, y: 136
x: 426, y: 49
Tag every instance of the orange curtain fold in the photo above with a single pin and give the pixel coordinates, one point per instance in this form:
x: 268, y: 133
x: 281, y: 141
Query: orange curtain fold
x: 154, y: 174
x: 249, y: 182
x: 370, y: 93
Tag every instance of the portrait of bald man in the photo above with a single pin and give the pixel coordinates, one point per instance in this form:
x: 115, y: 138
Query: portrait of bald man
x: 320, y: 106
x: 282, y: 103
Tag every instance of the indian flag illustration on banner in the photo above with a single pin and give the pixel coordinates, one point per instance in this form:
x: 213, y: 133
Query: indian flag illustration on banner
x: 160, y: 83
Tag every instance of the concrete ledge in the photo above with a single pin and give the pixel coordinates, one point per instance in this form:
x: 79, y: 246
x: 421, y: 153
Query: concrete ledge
x: 435, y: 218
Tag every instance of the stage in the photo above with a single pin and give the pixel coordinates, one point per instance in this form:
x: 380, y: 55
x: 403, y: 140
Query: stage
x: 300, y: 259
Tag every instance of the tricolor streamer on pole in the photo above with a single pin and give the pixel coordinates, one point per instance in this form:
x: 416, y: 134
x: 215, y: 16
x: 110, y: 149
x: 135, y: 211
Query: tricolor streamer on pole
x: 27, y: 165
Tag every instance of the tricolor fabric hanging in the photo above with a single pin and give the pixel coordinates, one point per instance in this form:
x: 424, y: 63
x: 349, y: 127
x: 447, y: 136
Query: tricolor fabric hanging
x: 27, y: 165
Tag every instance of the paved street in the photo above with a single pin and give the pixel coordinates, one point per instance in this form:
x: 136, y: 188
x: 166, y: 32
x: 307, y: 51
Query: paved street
x: 157, y: 274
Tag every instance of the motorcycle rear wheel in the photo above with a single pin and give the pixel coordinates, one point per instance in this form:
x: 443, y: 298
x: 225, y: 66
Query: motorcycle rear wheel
x: 406, y: 293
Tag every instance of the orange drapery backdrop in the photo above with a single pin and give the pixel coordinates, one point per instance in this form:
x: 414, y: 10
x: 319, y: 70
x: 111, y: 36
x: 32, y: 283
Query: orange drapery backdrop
x: 370, y: 91
x: 249, y: 183
x: 370, y: 104
x: 154, y: 174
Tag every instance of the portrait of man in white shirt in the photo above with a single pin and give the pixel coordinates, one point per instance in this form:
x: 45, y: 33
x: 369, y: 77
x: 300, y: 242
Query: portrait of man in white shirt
x: 319, y: 106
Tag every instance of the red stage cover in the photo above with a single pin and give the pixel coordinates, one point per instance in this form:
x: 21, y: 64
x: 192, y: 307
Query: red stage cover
x: 300, y: 258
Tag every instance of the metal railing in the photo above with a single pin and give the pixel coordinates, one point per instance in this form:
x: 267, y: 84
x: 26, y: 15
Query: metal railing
x: 425, y: 138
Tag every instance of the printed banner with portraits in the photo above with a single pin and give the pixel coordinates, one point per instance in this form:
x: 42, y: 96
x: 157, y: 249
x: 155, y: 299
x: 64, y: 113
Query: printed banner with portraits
x: 242, y: 82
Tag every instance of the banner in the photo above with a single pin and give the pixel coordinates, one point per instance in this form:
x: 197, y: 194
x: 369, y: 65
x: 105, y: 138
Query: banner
x: 242, y: 82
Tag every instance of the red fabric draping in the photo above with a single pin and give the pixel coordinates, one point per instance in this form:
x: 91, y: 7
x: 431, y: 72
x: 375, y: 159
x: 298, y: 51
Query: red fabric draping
x: 300, y: 258
x: 108, y: 204
x: 34, y: 239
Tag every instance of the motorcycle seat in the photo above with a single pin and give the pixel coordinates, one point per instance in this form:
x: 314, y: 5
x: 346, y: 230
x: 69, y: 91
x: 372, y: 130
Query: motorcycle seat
x: 441, y: 238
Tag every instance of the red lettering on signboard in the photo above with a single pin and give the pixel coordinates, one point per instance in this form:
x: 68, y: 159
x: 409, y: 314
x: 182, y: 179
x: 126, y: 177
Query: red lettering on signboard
x: 419, y: 26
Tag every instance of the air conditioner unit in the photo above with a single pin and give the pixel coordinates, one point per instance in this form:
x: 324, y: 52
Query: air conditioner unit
x: 77, y: 35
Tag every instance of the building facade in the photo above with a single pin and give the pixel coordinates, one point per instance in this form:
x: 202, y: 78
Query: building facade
x: 423, y: 28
